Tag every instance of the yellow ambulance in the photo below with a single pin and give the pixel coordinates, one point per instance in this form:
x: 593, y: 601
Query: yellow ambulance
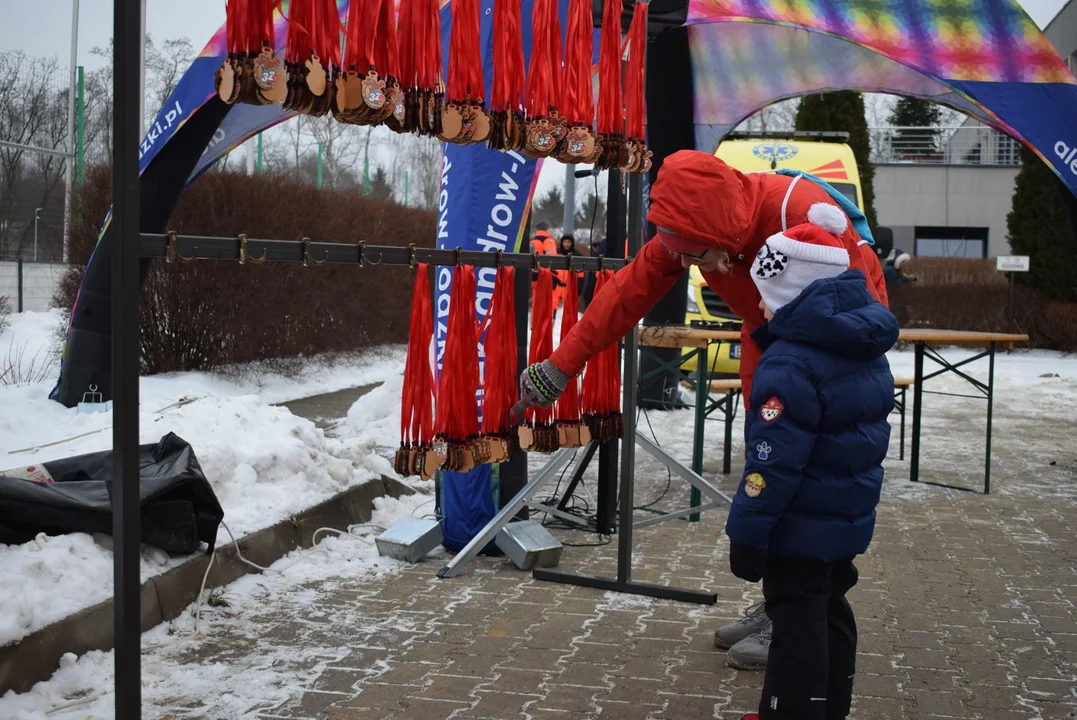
x: 827, y: 156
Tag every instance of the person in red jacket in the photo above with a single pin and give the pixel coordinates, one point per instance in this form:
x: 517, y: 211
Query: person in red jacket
x: 709, y: 215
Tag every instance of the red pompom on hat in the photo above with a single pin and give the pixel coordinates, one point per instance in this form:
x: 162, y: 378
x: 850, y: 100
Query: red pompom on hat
x: 792, y: 260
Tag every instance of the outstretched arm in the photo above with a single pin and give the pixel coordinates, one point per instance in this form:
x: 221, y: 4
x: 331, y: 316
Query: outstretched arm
x: 614, y: 311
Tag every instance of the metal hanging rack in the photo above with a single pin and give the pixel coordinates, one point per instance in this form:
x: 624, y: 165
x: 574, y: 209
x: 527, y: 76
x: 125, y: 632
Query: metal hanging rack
x: 175, y: 248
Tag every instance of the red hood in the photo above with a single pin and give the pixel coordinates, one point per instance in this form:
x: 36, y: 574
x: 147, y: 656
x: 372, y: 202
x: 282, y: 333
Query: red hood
x: 699, y: 197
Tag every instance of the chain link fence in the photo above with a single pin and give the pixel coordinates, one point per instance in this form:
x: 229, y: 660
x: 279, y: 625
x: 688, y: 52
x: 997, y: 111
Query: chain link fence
x: 36, y: 151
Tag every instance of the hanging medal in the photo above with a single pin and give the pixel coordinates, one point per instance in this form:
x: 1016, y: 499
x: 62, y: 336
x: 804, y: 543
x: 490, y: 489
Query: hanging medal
x: 499, y: 388
x: 638, y: 158
x: 610, y: 106
x: 507, y: 91
x: 457, y: 442
x: 539, y: 433
x: 464, y: 117
x: 578, y: 97
x: 571, y: 431
x: 545, y: 126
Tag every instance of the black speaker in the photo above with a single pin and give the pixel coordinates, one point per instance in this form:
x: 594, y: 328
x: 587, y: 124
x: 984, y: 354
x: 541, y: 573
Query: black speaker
x: 662, y: 14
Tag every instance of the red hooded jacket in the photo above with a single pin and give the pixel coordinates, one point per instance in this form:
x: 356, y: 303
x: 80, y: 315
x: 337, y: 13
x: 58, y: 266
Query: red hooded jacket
x: 699, y: 197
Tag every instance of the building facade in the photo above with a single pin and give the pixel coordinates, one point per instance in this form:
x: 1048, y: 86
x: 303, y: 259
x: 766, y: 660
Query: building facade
x: 1062, y: 32
x: 947, y: 191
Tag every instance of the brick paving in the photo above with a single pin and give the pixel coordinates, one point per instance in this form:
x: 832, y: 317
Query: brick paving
x: 966, y: 609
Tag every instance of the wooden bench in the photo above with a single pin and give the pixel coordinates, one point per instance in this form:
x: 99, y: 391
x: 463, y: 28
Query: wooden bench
x: 731, y: 388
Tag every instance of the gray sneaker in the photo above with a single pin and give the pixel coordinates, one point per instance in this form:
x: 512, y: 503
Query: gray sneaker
x: 751, y: 652
x: 753, y: 621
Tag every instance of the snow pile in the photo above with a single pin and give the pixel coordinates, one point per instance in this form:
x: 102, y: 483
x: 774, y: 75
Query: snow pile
x: 375, y: 417
x: 264, y: 463
x: 82, y: 688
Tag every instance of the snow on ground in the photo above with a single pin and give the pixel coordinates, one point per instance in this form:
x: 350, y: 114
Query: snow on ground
x: 263, y: 462
x: 82, y: 688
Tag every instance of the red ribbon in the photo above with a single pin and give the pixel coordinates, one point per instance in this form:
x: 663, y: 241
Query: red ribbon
x: 417, y: 407
x: 430, y: 69
x: 407, y: 48
x: 602, y: 378
x: 500, y: 346
x: 568, y: 405
x: 508, y: 88
x: 465, y: 56
x: 361, y: 30
x: 458, y: 412
x: 610, y: 105
x: 634, y: 71
x: 385, y: 49
x: 249, y: 25
x: 541, y: 334
x: 544, y: 73
x: 578, y: 102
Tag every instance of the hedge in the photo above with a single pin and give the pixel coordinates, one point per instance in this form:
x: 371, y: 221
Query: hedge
x: 209, y: 314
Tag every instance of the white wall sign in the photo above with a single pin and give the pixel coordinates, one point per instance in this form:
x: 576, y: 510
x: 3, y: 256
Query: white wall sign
x: 1012, y: 263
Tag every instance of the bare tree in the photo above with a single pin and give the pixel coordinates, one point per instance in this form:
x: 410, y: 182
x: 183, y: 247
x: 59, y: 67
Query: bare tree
x: 424, y: 165
x: 33, y: 114
x: 165, y: 67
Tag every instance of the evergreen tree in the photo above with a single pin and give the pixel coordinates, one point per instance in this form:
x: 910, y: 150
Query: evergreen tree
x: 914, y: 113
x: 380, y: 189
x: 1039, y: 228
x: 843, y: 111
x: 549, y: 208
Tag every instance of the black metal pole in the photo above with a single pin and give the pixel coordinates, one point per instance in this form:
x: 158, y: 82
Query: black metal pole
x: 628, y: 409
x: 1011, y: 298
x: 670, y: 128
x: 514, y: 472
x: 18, y: 271
x: 126, y: 530
x: 606, y: 515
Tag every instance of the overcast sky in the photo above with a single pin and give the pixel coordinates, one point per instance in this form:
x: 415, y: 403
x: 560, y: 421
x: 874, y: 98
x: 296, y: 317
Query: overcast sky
x: 43, y: 27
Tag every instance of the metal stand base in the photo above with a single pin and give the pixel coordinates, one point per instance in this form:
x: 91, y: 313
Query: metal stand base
x: 631, y: 587
x: 523, y: 498
x: 623, y: 582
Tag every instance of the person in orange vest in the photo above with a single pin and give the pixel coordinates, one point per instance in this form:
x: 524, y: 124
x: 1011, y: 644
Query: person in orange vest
x: 543, y: 244
x: 567, y: 246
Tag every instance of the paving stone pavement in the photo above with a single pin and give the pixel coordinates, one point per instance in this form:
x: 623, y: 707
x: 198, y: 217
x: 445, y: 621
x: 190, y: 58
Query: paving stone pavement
x: 967, y: 608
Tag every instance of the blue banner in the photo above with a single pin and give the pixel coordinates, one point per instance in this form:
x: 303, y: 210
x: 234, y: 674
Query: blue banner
x: 482, y: 206
x: 1043, y: 114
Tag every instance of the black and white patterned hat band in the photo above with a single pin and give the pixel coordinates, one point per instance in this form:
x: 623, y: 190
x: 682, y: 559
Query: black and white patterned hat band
x: 770, y: 263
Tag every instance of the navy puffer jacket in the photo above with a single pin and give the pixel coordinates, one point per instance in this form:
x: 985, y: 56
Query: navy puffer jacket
x: 819, y: 431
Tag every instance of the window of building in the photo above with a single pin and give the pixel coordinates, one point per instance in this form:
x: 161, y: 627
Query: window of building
x: 1008, y: 151
x: 953, y: 242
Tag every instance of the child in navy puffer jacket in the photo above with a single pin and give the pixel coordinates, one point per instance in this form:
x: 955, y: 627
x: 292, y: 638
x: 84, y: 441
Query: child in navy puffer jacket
x: 819, y: 432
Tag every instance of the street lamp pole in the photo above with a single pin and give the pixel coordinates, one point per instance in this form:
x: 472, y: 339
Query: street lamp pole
x: 37, y: 216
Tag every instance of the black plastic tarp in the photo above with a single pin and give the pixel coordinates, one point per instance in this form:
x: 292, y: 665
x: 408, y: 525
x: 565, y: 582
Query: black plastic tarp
x: 179, y: 508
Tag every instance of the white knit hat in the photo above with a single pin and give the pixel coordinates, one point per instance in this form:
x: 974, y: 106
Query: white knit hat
x: 790, y: 261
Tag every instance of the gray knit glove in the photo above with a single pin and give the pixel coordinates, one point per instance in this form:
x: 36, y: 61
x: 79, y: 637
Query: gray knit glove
x: 540, y: 384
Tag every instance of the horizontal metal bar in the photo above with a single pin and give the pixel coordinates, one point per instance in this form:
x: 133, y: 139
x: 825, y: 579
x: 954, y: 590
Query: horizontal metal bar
x: 631, y: 587
x: 677, y: 514
x: 960, y: 395
x: 188, y: 248
x: 34, y: 148
x: 567, y: 517
x: 950, y: 487
x: 714, y: 494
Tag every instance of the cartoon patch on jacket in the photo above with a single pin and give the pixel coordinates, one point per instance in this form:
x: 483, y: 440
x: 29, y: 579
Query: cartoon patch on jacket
x: 771, y: 410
